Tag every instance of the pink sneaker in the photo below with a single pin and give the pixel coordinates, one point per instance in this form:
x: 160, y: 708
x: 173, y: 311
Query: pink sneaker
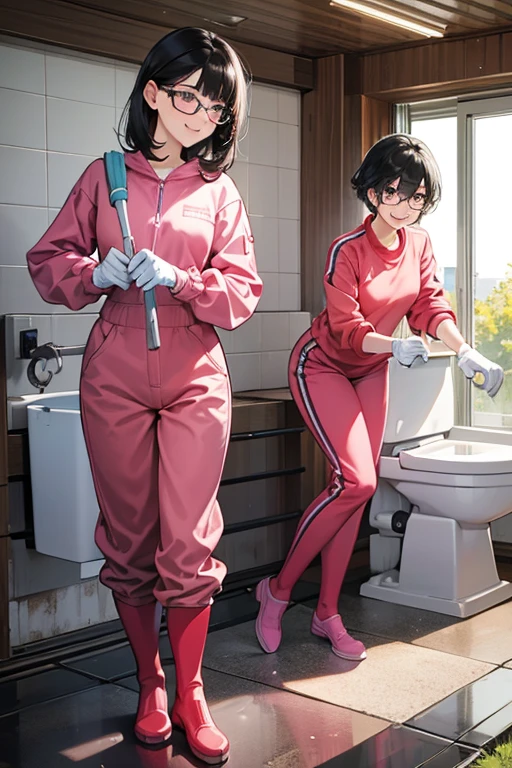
x: 268, y: 623
x: 342, y: 644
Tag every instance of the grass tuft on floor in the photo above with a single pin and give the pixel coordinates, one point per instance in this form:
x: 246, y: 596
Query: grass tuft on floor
x: 501, y: 757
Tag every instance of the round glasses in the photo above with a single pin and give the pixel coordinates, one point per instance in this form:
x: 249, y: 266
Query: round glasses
x: 391, y: 196
x: 189, y: 104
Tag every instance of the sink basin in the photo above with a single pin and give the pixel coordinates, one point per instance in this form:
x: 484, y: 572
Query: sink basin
x: 63, y: 497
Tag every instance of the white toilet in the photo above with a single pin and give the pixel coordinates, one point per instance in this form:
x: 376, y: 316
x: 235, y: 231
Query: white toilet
x: 439, y: 488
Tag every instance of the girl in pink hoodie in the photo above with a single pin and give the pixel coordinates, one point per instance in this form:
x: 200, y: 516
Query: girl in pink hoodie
x: 157, y: 422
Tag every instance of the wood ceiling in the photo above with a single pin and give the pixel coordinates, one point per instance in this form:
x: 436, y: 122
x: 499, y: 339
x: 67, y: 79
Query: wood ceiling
x: 311, y: 27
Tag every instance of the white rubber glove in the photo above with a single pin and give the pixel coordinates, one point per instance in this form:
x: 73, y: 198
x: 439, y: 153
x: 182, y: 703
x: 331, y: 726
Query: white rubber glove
x: 149, y: 270
x: 409, y: 351
x: 112, y: 271
x: 472, y: 362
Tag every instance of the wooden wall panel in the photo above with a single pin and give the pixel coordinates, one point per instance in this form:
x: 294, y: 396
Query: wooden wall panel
x: 506, y: 51
x: 17, y: 454
x: 4, y: 513
x: 376, y: 117
x: 321, y: 176
x: 4, y: 587
x: 482, y: 56
x: 3, y: 412
x: 4, y: 504
x: 336, y: 134
x: 94, y: 31
x: 445, y: 64
x: 353, y: 209
x: 436, y: 69
x: 366, y: 121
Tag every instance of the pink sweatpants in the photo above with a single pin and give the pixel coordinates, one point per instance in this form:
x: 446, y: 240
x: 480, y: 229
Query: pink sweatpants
x: 347, y: 419
x: 157, y: 426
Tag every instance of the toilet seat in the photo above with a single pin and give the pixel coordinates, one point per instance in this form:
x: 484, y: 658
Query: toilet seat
x: 461, y: 457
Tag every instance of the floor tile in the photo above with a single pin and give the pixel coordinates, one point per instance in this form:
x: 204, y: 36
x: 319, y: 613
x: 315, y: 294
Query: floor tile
x: 396, y: 681
x: 486, y: 637
x: 400, y: 747
x: 487, y: 732
x: 456, y: 756
x: 50, y: 684
x: 109, y: 665
x: 465, y: 709
x: 90, y: 729
x: 106, y: 665
x: 269, y: 727
x: 397, y: 622
x: 119, y: 662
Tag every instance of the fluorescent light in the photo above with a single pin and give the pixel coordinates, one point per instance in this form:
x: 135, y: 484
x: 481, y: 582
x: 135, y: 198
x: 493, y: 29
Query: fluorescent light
x: 390, y: 18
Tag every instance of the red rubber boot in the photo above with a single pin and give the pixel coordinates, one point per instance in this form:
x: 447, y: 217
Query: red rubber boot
x: 188, y: 628
x: 142, y: 626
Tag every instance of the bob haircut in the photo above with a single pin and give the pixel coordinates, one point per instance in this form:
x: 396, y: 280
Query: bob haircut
x: 223, y: 77
x: 398, y: 156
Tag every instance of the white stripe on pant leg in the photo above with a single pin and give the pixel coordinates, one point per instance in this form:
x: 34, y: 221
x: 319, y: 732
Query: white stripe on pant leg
x: 312, y: 515
x: 328, y: 449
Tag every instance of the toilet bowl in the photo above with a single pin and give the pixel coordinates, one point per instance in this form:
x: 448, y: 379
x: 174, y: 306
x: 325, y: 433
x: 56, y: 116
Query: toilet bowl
x: 439, y: 488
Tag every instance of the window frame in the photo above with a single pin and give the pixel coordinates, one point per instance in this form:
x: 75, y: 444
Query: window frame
x: 465, y: 108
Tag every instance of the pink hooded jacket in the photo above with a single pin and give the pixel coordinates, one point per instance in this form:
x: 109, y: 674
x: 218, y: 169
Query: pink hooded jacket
x: 200, y: 227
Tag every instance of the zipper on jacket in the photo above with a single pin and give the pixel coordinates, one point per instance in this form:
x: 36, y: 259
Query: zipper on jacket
x: 158, y: 211
x: 159, y: 204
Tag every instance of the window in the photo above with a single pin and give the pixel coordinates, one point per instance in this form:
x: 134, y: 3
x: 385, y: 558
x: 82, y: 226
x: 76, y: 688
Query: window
x: 489, y: 135
x: 440, y: 134
x: 470, y: 235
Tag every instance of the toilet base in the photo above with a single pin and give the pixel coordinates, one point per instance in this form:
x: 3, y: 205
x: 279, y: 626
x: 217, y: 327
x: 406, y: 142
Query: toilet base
x: 385, y: 586
x: 446, y: 566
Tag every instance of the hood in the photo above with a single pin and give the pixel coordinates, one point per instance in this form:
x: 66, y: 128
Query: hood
x: 136, y: 161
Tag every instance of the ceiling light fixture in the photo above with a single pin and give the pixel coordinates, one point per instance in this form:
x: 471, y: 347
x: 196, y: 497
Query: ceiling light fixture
x: 382, y: 12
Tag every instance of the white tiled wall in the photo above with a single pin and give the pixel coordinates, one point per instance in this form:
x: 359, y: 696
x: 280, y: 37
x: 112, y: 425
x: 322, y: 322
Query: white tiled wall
x: 249, y: 347
x: 57, y: 113
x: 267, y: 174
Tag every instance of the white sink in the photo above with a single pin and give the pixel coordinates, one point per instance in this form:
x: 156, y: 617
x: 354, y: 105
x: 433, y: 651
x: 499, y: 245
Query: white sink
x: 63, y: 497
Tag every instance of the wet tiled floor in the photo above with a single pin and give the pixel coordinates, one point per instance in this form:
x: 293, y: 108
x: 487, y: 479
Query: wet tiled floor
x: 396, y: 681
x: 433, y: 691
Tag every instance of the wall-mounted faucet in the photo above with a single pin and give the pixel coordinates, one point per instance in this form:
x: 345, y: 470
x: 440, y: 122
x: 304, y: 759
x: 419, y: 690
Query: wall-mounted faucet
x: 44, y: 354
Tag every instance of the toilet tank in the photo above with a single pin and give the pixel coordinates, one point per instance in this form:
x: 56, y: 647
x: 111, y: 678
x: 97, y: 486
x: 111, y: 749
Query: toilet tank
x: 421, y: 401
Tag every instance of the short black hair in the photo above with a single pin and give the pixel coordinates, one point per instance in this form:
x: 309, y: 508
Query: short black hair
x: 223, y: 77
x: 398, y: 156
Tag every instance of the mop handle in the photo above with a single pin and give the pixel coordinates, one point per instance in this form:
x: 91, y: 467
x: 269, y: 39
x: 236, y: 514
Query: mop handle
x: 118, y: 195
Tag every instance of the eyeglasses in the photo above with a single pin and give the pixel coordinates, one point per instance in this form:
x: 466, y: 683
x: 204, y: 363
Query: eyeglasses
x: 189, y: 104
x: 391, y: 196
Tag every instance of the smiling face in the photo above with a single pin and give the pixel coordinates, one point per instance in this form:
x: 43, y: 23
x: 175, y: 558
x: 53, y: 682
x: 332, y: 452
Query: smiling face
x: 174, y: 127
x: 393, y: 209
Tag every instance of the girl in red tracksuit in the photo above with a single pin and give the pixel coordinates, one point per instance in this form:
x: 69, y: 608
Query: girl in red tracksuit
x: 377, y: 274
x: 157, y: 422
